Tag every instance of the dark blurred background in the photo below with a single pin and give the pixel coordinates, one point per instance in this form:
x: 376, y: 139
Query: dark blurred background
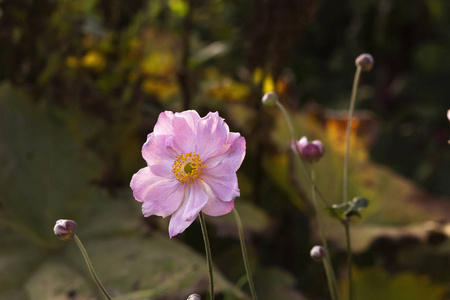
x: 82, y: 83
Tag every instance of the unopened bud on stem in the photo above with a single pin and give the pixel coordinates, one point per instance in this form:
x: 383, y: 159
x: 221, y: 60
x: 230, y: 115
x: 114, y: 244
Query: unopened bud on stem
x: 365, y: 61
x: 270, y: 99
x: 65, y: 229
x: 309, y: 151
x: 318, y: 253
x: 194, y: 297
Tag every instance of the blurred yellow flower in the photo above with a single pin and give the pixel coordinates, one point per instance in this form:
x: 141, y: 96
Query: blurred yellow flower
x: 94, y: 60
x: 159, y: 63
x: 163, y: 89
x: 268, y: 84
x: 227, y: 89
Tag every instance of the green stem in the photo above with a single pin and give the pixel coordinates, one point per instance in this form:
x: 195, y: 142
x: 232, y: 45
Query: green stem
x: 303, y: 163
x: 330, y: 272
x: 349, y: 127
x: 208, y: 255
x: 349, y: 260
x: 90, y: 267
x: 288, y: 120
x: 345, y: 178
x: 331, y: 278
x: 245, y: 255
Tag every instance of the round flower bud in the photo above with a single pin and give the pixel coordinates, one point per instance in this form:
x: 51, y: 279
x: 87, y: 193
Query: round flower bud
x: 309, y: 151
x: 194, y: 297
x: 365, y: 61
x: 270, y: 99
x: 65, y: 229
x: 318, y: 253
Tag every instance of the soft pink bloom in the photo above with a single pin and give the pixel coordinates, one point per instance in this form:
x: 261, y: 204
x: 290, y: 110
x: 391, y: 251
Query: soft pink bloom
x: 309, y: 151
x: 191, y: 167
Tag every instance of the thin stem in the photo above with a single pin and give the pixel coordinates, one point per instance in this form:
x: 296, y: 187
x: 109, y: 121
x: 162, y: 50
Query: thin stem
x: 329, y: 271
x: 316, y: 208
x: 208, y: 255
x: 245, y: 255
x: 288, y: 120
x: 345, y: 178
x: 303, y: 163
x: 349, y: 127
x: 349, y: 259
x: 331, y: 278
x: 90, y: 267
x: 293, y: 138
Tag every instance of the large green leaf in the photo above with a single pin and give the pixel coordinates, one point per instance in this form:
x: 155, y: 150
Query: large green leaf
x: 44, y: 174
x: 148, y: 267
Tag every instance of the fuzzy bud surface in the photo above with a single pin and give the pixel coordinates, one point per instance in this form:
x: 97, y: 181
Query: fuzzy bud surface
x: 365, y: 61
x: 65, y: 229
x: 318, y: 253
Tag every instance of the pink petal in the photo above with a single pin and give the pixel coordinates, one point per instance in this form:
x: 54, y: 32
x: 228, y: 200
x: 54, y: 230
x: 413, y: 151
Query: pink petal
x: 211, y: 136
x: 163, y: 198
x: 191, y: 117
x: 235, y: 154
x: 140, y: 183
x: 195, y: 199
x: 303, y: 141
x: 154, y: 150
x: 183, y: 140
x: 157, y: 156
x: 216, y: 207
x: 223, y: 182
x: 177, y: 224
x: 164, y: 124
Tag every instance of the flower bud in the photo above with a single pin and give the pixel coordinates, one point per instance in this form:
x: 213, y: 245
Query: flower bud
x: 194, y: 297
x: 65, y: 229
x: 318, y: 253
x: 309, y: 151
x: 270, y: 99
x: 365, y: 61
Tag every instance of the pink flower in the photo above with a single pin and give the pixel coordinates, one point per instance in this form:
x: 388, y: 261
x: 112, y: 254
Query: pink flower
x: 309, y: 151
x: 191, y: 167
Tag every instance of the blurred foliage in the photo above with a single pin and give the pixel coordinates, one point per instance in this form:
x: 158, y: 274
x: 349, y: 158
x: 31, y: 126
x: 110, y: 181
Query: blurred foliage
x: 378, y: 284
x: 83, y: 81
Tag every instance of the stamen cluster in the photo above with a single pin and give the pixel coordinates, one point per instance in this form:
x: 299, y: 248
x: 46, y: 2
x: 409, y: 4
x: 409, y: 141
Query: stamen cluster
x: 187, y: 167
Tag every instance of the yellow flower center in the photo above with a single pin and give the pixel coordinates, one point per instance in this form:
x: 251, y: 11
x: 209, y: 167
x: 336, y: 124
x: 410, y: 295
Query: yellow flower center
x: 187, y: 167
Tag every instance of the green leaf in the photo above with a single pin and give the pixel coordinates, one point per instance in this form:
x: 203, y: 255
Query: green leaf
x: 355, y: 206
x: 44, y: 174
x: 141, y: 268
x: 55, y: 279
x: 17, y: 262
